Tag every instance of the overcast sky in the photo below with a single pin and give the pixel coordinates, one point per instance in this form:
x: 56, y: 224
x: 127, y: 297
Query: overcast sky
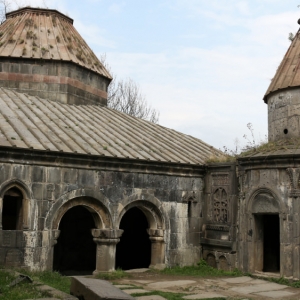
x: 205, y: 65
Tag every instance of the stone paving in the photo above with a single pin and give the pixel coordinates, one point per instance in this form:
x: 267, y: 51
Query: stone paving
x: 242, y: 288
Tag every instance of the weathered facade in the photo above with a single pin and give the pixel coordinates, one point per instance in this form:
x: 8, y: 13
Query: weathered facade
x: 85, y: 188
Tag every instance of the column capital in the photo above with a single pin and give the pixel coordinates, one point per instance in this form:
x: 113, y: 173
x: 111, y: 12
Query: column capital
x: 107, y: 233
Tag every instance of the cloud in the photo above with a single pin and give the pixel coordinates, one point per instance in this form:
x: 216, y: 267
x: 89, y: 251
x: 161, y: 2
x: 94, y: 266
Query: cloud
x: 116, y: 8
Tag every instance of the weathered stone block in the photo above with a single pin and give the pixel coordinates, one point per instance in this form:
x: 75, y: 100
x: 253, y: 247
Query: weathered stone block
x: 37, y: 174
x: 96, y: 289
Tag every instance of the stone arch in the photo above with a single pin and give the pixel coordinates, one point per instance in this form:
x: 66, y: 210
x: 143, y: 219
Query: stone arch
x: 149, y: 205
x: 152, y: 210
x: 271, y: 200
x: 25, y: 205
x: 211, y: 260
x: 223, y: 263
x: 6, y: 185
x: 96, y: 203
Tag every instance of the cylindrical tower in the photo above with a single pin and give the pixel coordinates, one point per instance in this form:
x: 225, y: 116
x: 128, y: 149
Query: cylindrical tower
x: 283, y: 96
x: 42, y: 54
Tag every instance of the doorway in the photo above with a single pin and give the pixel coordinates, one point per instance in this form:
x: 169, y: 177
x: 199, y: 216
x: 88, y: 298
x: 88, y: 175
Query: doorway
x: 134, y: 248
x: 75, y: 251
x: 271, y: 243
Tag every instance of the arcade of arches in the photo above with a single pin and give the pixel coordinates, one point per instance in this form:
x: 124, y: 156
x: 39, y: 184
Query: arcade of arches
x: 81, y: 248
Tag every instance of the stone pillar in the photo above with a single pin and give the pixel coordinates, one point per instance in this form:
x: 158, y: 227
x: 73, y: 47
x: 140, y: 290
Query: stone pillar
x: 25, y: 213
x: 1, y: 210
x: 106, y: 240
x: 157, y: 248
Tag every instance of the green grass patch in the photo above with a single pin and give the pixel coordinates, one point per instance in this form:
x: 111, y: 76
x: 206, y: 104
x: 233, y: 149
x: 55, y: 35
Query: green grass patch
x: 20, y: 291
x: 53, y: 279
x: 202, y: 270
x: 115, y: 275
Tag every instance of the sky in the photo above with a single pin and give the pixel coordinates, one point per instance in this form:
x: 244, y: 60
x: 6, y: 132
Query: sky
x: 204, y: 65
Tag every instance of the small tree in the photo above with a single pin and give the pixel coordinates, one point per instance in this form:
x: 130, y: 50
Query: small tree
x: 125, y: 96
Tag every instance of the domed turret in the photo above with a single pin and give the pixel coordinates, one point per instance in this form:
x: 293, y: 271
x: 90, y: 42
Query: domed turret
x: 42, y: 54
x: 283, y: 96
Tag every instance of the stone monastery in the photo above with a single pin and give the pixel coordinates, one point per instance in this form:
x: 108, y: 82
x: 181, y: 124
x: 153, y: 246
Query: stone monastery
x: 84, y: 188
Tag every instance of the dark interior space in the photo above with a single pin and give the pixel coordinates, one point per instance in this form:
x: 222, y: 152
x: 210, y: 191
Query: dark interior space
x: 134, y: 248
x: 271, y: 243
x: 75, y: 251
x: 12, y: 218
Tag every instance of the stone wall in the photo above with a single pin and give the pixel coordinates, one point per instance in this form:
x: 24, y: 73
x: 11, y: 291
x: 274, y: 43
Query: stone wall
x: 269, y: 187
x: 50, y: 186
x: 64, y: 82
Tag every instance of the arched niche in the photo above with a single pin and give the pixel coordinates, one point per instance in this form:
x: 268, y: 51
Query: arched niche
x: 265, y: 203
x: 15, y: 205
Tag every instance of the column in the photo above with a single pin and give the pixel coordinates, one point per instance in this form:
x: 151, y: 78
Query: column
x: 106, y: 240
x: 156, y: 237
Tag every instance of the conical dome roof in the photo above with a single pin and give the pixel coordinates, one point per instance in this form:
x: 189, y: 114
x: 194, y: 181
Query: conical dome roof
x: 46, y: 34
x: 288, y: 72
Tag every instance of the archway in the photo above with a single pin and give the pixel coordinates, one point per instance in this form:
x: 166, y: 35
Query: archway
x: 134, y: 248
x: 75, y: 251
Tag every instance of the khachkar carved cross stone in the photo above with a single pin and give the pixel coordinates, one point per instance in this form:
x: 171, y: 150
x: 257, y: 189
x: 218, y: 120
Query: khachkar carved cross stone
x: 220, y: 206
x: 294, y: 174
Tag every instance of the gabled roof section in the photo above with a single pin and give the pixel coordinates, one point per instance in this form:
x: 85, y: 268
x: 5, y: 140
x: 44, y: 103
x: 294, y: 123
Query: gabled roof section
x: 33, y: 123
x: 288, y: 72
x: 46, y: 34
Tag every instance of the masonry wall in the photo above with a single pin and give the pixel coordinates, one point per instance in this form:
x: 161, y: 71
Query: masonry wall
x: 172, y: 203
x: 269, y: 186
x: 64, y: 82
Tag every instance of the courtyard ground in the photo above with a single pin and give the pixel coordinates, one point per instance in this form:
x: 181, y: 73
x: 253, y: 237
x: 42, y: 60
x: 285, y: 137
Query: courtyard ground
x: 145, y: 285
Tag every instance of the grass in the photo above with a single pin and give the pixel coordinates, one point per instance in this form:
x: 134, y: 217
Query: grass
x: 50, y: 278
x: 281, y: 280
x: 20, y: 291
x: 201, y: 270
x: 115, y: 275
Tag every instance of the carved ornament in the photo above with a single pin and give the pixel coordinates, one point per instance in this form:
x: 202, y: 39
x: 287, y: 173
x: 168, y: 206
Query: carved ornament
x: 294, y: 174
x: 220, y: 179
x: 220, y: 204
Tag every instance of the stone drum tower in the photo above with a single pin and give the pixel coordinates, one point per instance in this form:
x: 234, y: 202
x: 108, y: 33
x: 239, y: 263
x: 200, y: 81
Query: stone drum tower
x: 283, y: 96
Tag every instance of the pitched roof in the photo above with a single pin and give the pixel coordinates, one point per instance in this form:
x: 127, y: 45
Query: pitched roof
x: 34, y: 123
x: 288, y: 72
x: 47, y: 34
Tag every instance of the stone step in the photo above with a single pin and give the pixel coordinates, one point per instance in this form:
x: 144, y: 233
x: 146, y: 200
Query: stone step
x: 96, y: 289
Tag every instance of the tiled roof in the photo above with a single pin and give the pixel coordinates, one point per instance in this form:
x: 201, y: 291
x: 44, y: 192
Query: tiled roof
x: 34, y: 123
x: 288, y: 73
x: 47, y: 34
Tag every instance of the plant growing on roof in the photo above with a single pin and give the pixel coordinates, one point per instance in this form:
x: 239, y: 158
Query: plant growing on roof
x: 44, y: 50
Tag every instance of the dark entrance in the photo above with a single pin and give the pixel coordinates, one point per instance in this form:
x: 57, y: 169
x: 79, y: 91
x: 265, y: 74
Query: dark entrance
x: 75, y: 251
x: 134, y: 248
x: 12, y: 215
x: 271, y: 243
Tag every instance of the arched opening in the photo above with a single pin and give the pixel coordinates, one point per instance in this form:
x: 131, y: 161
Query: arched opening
x: 75, y: 251
x: 12, y: 212
x: 134, y: 248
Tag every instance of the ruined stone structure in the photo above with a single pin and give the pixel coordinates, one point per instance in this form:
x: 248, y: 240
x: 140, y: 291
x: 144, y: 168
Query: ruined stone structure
x: 84, y: 188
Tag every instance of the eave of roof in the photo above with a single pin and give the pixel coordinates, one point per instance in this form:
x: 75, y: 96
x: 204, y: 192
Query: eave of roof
x: 30, y: 122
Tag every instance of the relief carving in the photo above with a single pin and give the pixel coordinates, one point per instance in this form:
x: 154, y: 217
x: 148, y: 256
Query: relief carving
x: 294, y: 174
x: 220, y: 203
x: 189, y: 196
x: 220, y: 179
